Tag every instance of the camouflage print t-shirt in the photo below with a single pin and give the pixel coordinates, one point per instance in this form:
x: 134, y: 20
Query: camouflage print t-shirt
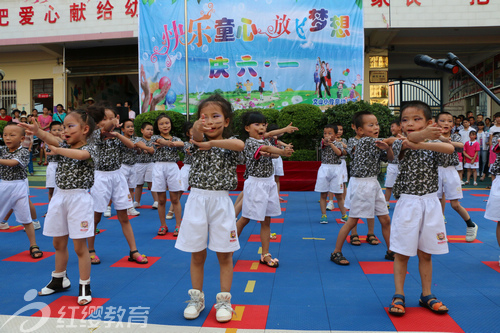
x: 18, y: 172
x: 75, y: 174
x: 214, y: 169
x: 418, y: 171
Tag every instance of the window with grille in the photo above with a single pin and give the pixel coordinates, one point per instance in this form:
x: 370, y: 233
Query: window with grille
x: 8, y: 95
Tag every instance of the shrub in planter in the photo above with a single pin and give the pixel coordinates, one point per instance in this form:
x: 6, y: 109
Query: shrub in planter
x: 308, y: 118
x: 178, y: 121
x: 343, y: 113
x: 270, y: 114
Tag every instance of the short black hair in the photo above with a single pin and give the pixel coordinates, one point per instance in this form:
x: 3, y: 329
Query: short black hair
x: 472, y: 132
x: 396, y: 121
x: 146, y: 123
x: 357, y: 118
x: 441, y: 113
x: 424, y: 107
x: 480, y: 123
x: 54, y: 123
x: 187, y: 126
x: 333, y: 126
x: 60, y: 105
x: 272, y: 127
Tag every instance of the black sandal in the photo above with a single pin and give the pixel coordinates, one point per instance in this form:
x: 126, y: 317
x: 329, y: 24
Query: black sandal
x: 389, y: 255
x: 355, y: 238
x: 398, y: 305
x: 372, y: 239
x: 337, y: 258
x: 34, y: 252
x: 143, y: 261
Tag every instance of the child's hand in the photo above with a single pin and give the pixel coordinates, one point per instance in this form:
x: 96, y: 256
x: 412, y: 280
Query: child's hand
x: 31, y: 129
x: 200, y: 125
x: 382, y: 145
x: 432, y: 132
x: 111, y: 134
x: 52, y: 150
x: 407, y: 144
x: 264, y: 153
x: 204, y: 145
x: 288, y: 152
x: 443, y: 139
x: 290, y: 128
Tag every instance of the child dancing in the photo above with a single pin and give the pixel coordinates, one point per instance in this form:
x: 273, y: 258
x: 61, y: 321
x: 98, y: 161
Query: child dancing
x: 209, y: 211
x: 260, y: 194
x: 365, y: 195
x: 166, y: 174
x: 70, y: 213
x: 14, y: 185
x: 417, y: 224
x: 330, y: 178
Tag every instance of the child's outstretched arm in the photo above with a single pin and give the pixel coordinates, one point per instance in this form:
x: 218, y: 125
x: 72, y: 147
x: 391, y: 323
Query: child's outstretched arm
x: 287, y: 129
x: 382, y: 144
x: 76, y: 154
x: 336, y: 150
x: 169, y: 143
x: 273, y: 150
x: 34, y: 129
x: 126, y: 141
x: 9, y: 162
x: 431, y: 132
x: 142, y: 145
x: 455, y: 144
x: 440, y: 147
x: 231, y: 144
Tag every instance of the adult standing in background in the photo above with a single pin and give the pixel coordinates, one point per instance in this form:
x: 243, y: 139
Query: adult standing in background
x: 89, y: 101
x: 60, y: 114
x: 131, y: 114
x: 4, y: 116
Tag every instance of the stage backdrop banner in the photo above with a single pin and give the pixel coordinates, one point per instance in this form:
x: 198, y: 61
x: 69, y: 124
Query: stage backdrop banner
x: 258, y: 53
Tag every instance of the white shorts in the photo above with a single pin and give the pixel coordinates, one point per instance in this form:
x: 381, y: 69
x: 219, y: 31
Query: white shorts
x: 166, y: 175
x: 184, y: 174
x: 129, y: 173
x: 365, y: 198
x: 449, y: 184
x: 471, y: 165
x: 345, y: 175
x: 418, y: 224
x: 50, y: 175
x: 110, y: 185
x: 208, y: 214
x: 143, y: 173
x: 329, y: 179
x: 27, y: 185
x: 391, y: 175
x: 260, y: 198
x: 14, y: 195
x: 493, y: 205
x: 278, y: 166
x: 459, y: 167
x: 70, y: 212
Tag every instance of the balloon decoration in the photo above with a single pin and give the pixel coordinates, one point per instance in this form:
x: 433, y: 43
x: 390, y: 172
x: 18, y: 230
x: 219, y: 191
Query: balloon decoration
x: 164, y: 81
x: 346, y: 72
x: 171, y: 97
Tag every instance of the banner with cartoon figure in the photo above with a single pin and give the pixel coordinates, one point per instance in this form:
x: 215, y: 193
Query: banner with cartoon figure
x: 259, y: 53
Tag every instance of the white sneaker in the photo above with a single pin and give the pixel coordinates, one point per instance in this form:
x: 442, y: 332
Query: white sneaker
x: 196, y: 304
x: 132, y: 212
x: 155, y: 205
x: 107, y: 213
x: 223, y: 306
x: 136, y: 204
x: 329, y: 206
x: 4, y: 226
x: 36, y: 225
x: 471, y: 234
